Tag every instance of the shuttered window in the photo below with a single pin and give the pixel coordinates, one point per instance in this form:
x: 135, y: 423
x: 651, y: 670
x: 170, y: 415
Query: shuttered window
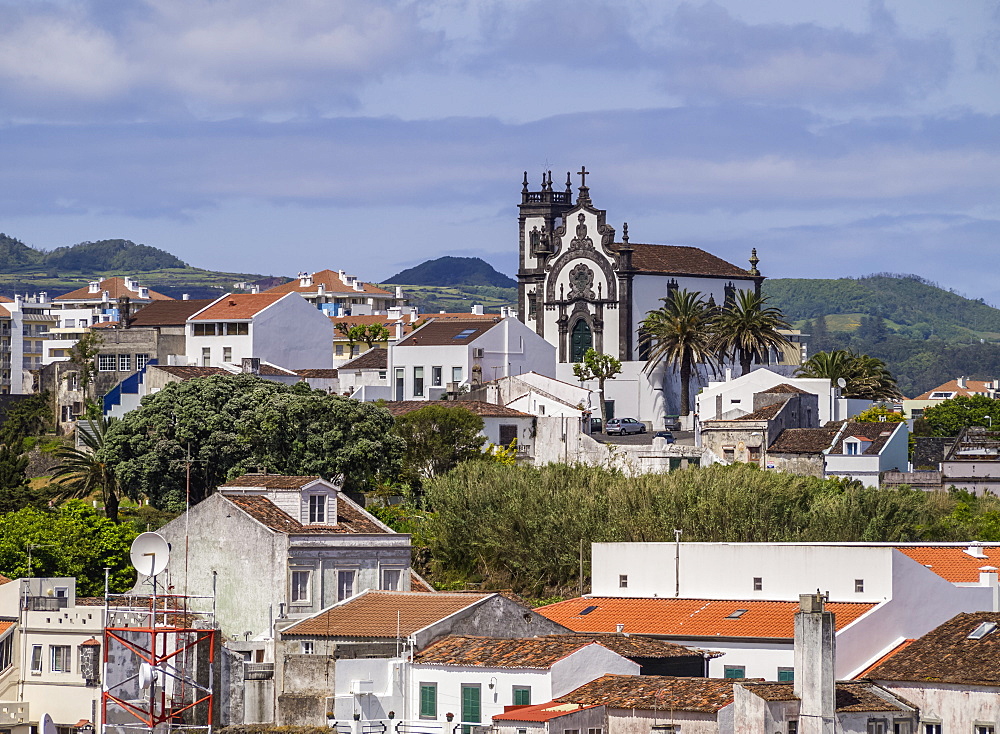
x: 428, y: 700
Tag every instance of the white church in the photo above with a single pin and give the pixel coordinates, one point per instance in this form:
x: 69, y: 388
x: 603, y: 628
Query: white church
x: 580, y: 287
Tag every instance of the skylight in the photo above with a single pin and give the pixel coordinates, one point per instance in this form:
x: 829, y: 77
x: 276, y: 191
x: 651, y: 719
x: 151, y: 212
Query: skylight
x: 587, y: 610
x: 465, y: 334
x: 737, y: 614
x: 982, y: 630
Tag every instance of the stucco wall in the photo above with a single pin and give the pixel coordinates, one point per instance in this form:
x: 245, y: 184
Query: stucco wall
x: 640, y: 721
x: 956, y: 707
x: 496, y: 616
x: 585, y: 665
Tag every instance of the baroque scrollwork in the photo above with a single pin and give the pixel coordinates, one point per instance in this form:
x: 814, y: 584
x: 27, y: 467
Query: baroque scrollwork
x: 581, y: 282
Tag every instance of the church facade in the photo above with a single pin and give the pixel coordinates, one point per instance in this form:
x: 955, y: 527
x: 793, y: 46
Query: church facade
x: 581, y: 286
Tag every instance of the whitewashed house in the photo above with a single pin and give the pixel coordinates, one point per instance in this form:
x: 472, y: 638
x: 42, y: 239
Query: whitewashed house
x: 501, y: 424
x: 740, y: 598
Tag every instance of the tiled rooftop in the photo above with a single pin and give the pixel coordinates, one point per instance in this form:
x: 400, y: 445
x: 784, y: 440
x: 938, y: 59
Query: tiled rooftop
x: 376, y: 613
x: 763, y: 414
x: 877, y: 433
x: 6, y: 625
x: 972, y: 387
x: 952, y: 563
x: 689, y: 618
x: 496, y: 652
x: 784, y: 387
x: 946, y: 654
x: 803, y: 440
x: 682, y: 260
x: 270, y: 481
x: 448, y: 332
x: 238, y: 306
x: 167, y: 313
x: 851, y: 696
x: 374, y: 359
x: 350, y: 517
x: 480, y: 408
x: 115, y: 288
x: 189, y: 372
x: 630, y: 646
x: 655, y: 692
x: 331, y: 283
x: 317, y: 373
x: 540, y: 712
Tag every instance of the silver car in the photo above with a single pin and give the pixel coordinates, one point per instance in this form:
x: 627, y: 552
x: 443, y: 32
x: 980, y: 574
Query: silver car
x: 622, y: 426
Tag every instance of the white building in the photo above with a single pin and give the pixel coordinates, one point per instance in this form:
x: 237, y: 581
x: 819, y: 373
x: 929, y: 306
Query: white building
x: 50, y: 654
x: 459, y: 352
x: 11, y: 348
x: 501, y: 424
x: 280, y: 328
x: 740, y: 598
x: 539, y: 395
x: 339, y: 294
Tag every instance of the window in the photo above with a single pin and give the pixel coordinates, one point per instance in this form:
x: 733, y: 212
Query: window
x: 932, y: 729
x: 106, y: 362
x: 317, y: 508
x: 390, y: 579
x: 400, y: 376
x: 36, y: 659
x: 851, y: 448
x: 345, y: 585
x: 227, y: 354
x: 59, y: 658
x: 729, y: 453
x: 754, y: 453
x: 206, y: 356
x: 758, y: 583
x: 435, y: 376
x: 382, y: 374
x: 734, y: 671
x: 595, y: 731
x: 237, y: 329
x: 69, y: 323
x: 471, y: 709
x: 6, y: 645
x: 793, y: 726
x: 902, y: 726
x: 985, y: 729
x: 307, y: 647
x: 456, y: 374
x: 736, y: 614
x: 418, y: 381
x: 141, y: 360
x: 859, y: 585
x: 522, y: 695
x: 201, y: 329
x: 124, y: 362
x: 508, y: 434
x: 300, y: 587
x: 623, y: 581
x: 339, y: 350
x: 428, y: 700
x: 786, y: 675
x: 876, y: 726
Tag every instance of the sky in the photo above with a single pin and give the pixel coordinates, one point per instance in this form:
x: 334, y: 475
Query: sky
x: 266, y: 136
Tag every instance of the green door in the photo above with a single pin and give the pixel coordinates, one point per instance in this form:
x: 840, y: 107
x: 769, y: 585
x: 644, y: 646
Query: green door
x: 580, y: 341
x: 470, y: 707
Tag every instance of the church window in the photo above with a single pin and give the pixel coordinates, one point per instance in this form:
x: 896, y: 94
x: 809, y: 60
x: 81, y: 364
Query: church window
x: 581, y: 340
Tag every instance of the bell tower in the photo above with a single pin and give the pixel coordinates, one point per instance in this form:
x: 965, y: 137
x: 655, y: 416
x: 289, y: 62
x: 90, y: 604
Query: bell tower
x: 540, y: 213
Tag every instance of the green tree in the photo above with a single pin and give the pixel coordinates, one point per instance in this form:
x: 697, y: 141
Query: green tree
x: 71, y: 541
x: 949, y: 417
x: 747, y: 329
x: 879, y: 414
x: 865, y: 377
x: 679, y: 334
x: 600, y: 367
x: 371, y: 334
x: 83, y: 354
x: 191, y: 424
x: 14, y: 490
x: 30, y: 416
x: 315, y: 433
x: 82, y: 472
x: 440, y: 437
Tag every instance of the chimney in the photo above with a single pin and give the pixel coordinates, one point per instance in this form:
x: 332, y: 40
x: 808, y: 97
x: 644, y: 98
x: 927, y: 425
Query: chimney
x: 255, y: 289
x: 988, y: 578
x: 961, y: 382
x: 399, y: 291
x: 619, y: 628
x: 975, y: 550
x: 815, y: 676
x: 478, y: 310
x: 399, y: 330
x: 305, y: 280
x: 94, y: 286
x: 357, y: 285
x: 320, y: 289
x: 186, y: 297
x: 394, y: 312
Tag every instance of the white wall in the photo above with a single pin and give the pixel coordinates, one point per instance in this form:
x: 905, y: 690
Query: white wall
x: 387, y: 677
x: 451, y: 678
x: 956, y: 707
x: 737, y: 393
x: 585, y: 665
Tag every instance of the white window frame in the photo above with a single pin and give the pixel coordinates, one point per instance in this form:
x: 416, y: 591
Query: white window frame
x: 227, y: 354
x: 65, y: 665
x: 385, y: 585
x: 124, y: 362
x: 341, y: 587
x: 300, y: 587
x: 107, y: 362
x: 36, y: 659
x: 307, y: 647
x: 317, y: 509
x: 141, y: 360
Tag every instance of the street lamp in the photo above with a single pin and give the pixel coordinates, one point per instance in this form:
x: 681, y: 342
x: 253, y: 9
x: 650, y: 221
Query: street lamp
x: 990, y: 419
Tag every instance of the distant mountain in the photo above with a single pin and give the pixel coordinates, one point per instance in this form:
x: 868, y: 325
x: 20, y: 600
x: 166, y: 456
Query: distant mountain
x: 453, y: 271
x: 90, y: 257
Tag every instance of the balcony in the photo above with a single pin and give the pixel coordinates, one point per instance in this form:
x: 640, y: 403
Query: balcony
x: 258, y: 671
x: 45, y: 603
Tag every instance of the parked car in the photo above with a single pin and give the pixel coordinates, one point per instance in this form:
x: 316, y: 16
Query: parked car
x: 672, y: 422
x: 665, y: 435
x: 622, y: 426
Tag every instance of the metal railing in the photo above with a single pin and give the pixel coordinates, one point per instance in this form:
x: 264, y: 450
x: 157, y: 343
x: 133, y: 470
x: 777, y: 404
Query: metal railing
x: 45, y: 603
x: 258, y: 671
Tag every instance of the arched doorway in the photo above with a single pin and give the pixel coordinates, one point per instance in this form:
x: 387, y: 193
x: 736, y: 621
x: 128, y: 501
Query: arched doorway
x: 581, y: 339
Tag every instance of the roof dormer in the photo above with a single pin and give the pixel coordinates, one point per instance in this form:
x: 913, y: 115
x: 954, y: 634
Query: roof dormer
x: 856, y: 445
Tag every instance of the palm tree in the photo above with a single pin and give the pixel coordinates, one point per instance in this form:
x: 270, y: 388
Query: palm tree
x: 680, y: 334
x: 81, y: 473
x: 747, y: 329
x: 864, y: 377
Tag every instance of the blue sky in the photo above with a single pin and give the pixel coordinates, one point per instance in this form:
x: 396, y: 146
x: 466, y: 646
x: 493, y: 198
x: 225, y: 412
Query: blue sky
x: 270, y: 136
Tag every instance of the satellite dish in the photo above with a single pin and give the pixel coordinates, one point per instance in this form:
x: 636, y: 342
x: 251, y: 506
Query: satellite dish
x: 46, y: 725
x: 147, y: 675
x: 841, y: 383
x: 149, y: 554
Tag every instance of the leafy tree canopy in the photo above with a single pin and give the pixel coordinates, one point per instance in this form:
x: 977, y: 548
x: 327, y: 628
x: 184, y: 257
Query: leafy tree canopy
x: 879, y: 414
x: 951, y: 416
x: 71, y: 541
x: 865, y: 377
x: 440, y: 437
x: 600, y: 367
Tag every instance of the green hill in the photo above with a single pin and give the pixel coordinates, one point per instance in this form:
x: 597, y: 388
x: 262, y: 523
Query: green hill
x: 925, y: 334
x: 454, y: 271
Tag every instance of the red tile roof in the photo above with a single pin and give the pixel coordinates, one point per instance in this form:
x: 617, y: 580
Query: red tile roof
x: 115, y: 288
x: 4, y: 580
x: 317, y: 373
x: 682, y: 260
x: 445, y: 332
x: 350, y: 517
x: 655, y: 692
x: 480, y: 408
x: 902, y: 645
x: 952, y: 563
x: 850, y: 696
x: 331, y: 283
x: 784, y: 387
x: 946, y: 654
x: 189, y: 372
x: 803, y: 440
x: 972, y: 387
x: 6, y: 625
x: 271, y: 481
x: 689, y: 618
x: 383, y: 614
x: 419, y: 584
x: 497, y: 652
x: 375, y: 358
x: 238, y: 306
x: 632, y: 646
x: 878, y: 433
x: 168, y: 313
x: 763, y: 414
x: 539, y: 712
